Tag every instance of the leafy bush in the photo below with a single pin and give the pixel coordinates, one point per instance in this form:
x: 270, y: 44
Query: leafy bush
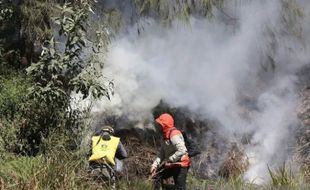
x: 35, y: 18
x: 13, y: 89
x: 61, y: 71
x: 8, y: 138
x: 6, y: 10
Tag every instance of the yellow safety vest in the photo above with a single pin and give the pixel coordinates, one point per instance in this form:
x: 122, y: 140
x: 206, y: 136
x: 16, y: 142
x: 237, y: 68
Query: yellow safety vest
x: 104, y: 150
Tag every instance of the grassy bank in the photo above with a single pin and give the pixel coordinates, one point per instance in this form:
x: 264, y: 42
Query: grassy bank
x: 68, y: 170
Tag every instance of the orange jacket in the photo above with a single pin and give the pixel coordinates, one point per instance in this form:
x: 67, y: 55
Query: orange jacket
x: 173, y: 139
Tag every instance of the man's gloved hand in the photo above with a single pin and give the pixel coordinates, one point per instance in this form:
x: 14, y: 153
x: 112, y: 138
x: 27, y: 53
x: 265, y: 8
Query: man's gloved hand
x: 153, y: 171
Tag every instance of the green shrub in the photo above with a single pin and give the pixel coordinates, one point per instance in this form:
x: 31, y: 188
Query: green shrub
x: 8, y: 138
x: 13, y: 90
x: 13, y: 87
x: 61, y: 72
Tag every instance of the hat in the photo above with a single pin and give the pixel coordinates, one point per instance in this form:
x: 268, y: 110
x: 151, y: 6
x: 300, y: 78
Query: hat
x: 108, y: 128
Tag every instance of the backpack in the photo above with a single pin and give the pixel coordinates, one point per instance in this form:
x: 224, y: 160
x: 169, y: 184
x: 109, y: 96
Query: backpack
x: 191, y: 146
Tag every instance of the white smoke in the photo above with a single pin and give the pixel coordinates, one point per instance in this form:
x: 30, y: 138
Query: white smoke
x: 208, y: 65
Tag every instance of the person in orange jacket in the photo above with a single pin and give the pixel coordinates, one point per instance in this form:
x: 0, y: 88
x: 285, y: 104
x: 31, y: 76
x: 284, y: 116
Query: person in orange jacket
x: 173, y: 153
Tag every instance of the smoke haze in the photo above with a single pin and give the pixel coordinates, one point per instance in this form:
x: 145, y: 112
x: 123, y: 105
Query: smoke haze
x: 239, y: 70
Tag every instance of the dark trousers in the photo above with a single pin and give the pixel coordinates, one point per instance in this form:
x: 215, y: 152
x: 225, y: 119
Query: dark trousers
x: 179, y: 176
x: 103, y: 173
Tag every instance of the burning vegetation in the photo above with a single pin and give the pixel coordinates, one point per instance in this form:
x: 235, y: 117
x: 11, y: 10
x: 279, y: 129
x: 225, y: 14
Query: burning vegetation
x: 231, y: 83
x: 219, y: 158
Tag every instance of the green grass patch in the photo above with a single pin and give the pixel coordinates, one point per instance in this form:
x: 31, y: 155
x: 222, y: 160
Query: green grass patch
x: 68, y: 170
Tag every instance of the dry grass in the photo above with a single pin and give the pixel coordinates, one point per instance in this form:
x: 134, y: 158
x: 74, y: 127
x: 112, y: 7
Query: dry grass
x: 141, y: 156
x: 235, y: 163
x: 303, y: 135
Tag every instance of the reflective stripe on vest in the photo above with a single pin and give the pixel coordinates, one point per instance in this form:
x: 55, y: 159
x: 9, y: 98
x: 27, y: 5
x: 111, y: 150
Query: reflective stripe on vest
x: 104, y: 149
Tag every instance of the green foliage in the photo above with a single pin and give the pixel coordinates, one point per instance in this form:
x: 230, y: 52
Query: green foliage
x: 6, y: 10
x: 63, y: 69
x: 58, y: 73
x: 13, y: 88
x: 35, y: 19
x: 44, y: 120
x: 7, y: 21
x: 8, y: 138
x: 57, y: 171
x: 20, y: 170
x: 169, y: 10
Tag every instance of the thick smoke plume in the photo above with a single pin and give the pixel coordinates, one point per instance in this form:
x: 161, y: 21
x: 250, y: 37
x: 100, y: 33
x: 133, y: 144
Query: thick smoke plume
x: 238, y: 68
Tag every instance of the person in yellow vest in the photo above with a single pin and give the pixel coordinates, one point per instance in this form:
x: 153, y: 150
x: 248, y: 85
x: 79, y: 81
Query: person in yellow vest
x: 106, y: 153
